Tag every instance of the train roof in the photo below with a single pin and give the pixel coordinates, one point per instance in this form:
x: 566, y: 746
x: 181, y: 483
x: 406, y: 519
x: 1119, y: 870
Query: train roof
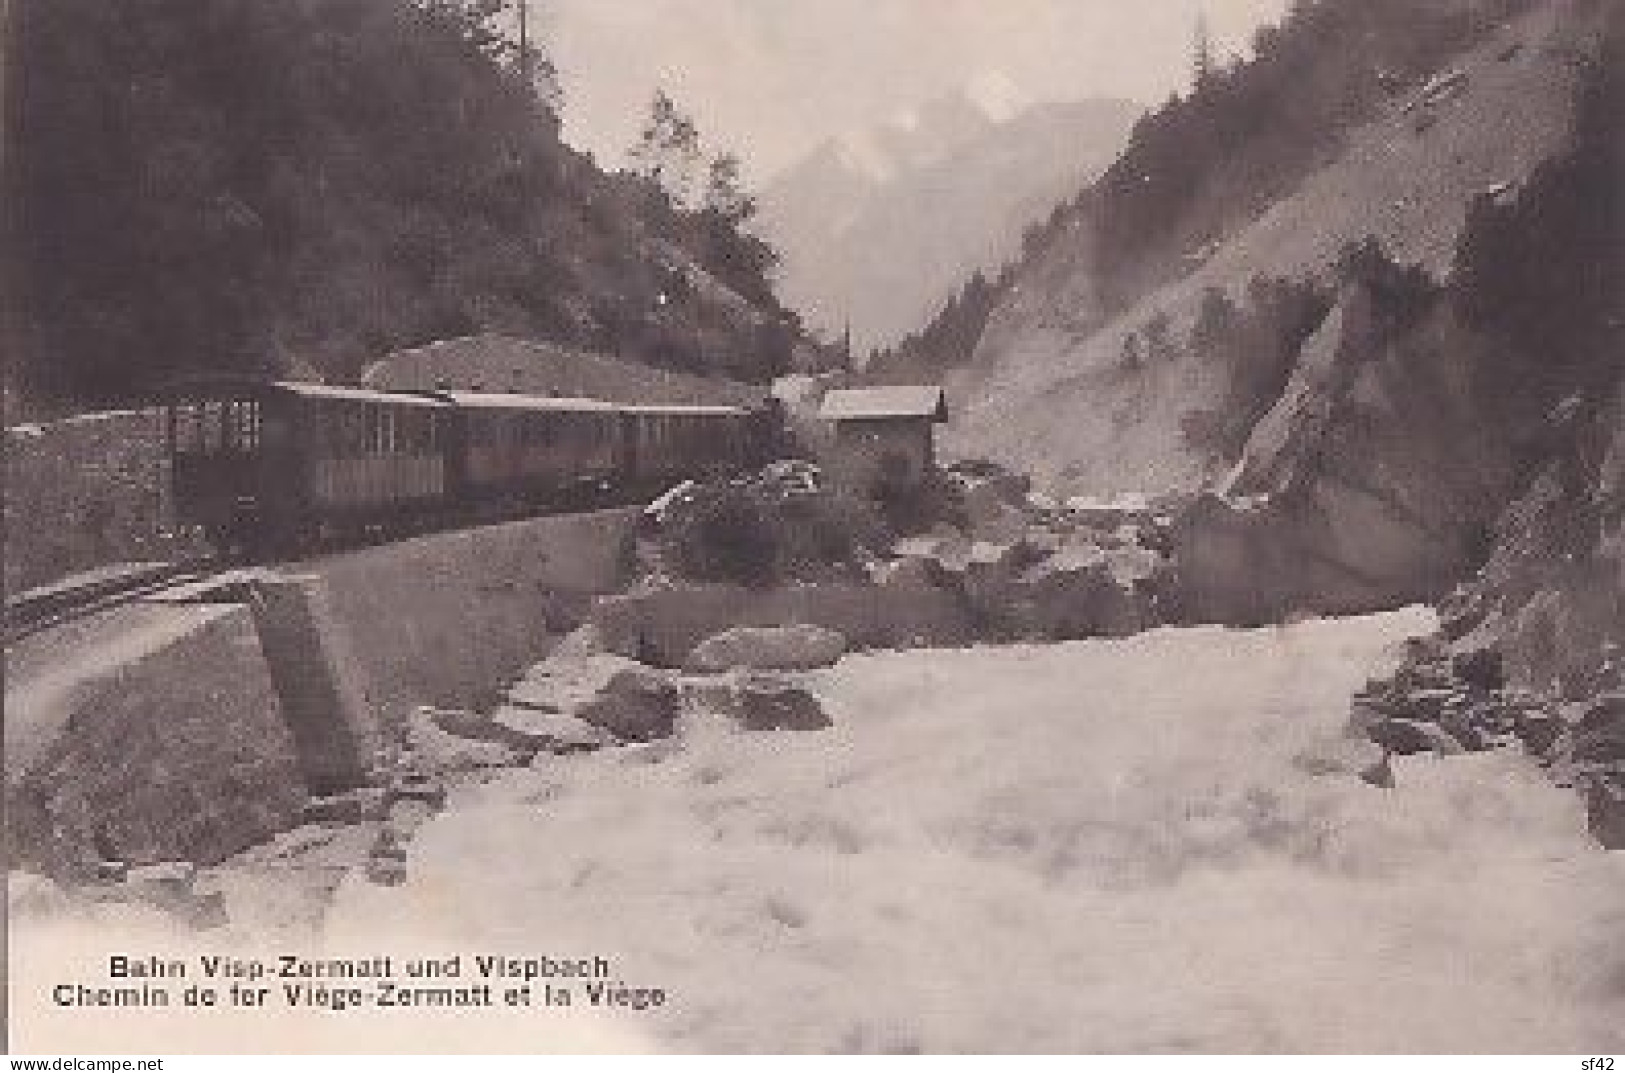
x: 440, y: 399
x: 678, y: 410
x: 227, y: 384
x: 485, y: 400
x: 356, y: 394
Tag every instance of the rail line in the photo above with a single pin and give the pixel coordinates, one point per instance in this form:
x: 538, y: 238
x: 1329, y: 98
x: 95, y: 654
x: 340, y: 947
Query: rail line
x: 53, y: 605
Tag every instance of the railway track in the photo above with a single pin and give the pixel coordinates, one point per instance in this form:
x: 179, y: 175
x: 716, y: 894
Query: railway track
x: 85, y: 594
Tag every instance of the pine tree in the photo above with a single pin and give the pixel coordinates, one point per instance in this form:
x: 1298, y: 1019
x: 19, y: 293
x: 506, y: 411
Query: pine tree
x: 667, y: 152
x: 536, y: 71
x: 1202, y: 53
x: 724, y: 190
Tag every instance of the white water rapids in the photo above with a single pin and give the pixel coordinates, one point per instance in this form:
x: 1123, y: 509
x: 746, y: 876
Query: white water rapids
x: 1146, y: 844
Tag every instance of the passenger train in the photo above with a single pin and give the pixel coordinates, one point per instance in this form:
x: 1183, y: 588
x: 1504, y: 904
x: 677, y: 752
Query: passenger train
x: 275, y: 467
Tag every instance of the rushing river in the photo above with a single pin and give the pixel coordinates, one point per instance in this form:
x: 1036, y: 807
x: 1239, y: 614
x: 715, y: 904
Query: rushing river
x: 1148, y: 844
x: 1125, y: 845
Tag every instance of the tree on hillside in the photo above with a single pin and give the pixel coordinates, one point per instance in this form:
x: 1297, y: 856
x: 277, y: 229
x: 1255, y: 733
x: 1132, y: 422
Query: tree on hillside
x: 1255, y: 346
x: 667, y: 152
x: 724, y: 190
x: 503, y: 31
x: 1215, y: 321
x: 1217, y: 156
x: 740, y: 259
x: 534, y: 66
x: 475, y: 21
x: 1201, y: 54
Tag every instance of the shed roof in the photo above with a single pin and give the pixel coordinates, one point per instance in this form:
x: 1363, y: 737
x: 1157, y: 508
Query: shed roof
x: 879, y: 403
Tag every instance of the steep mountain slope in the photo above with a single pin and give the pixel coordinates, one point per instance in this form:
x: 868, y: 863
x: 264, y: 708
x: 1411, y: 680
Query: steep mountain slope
x: 301, y: 187
x: 879, y: 231
x: 1102, y: 399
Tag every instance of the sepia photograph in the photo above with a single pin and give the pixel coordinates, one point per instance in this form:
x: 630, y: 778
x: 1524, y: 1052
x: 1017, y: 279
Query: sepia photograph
x: 813, y: 527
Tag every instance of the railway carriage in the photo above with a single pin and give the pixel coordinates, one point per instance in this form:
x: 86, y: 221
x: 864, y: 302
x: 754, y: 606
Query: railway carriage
x: 270, y: 464
x: 260, y: 464
x: 273, y: 467
x: 671, y: 443
x: 517, y: 450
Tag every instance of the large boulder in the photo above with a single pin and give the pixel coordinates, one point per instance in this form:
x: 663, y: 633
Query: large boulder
x: 1605, y: 810
x: 778, y: 705
x: 435, y: 744
x: 1109, y: 514
x: 1070, y: 597
x: 555, y: 707
x: 771, y: 702
x: 523, y: 730
x: 980, y: 473
x: 755, y: 700
x: 911, y: 572
x: 1408, y: 736
x: 1233, y: 568
x: 1477, y: 662
x: 1598, y: 729
x: 768, y: 648
x: 563, y: 683
x: 636, y: 704
x: 949, y: 549
x: 991, y: 515
x: 550, y: 732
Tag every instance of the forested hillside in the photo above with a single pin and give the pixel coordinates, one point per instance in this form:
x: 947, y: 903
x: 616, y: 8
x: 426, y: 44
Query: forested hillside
x: 1211, y: 160
x: 302, y: 186
x: 1403, y: 366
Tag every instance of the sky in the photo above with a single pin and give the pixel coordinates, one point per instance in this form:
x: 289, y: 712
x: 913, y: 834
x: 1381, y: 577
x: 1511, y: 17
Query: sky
x: 770, y: 79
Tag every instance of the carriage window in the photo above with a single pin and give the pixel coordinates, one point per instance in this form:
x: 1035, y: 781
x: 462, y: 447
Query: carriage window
x: 211, y: 435
x: 188, y: 429
x: 245, y: 425
x: 352, y: 430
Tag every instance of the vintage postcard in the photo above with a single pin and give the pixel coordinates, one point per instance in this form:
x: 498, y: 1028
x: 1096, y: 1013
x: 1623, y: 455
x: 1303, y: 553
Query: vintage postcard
x: 844, y: 527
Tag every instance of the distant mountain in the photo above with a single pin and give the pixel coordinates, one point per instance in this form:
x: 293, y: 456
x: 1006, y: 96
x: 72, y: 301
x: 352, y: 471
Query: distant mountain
x: 878, y: 228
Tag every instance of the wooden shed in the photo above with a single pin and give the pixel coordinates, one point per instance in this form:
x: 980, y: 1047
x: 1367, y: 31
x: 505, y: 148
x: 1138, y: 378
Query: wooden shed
x: 884, y: 438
